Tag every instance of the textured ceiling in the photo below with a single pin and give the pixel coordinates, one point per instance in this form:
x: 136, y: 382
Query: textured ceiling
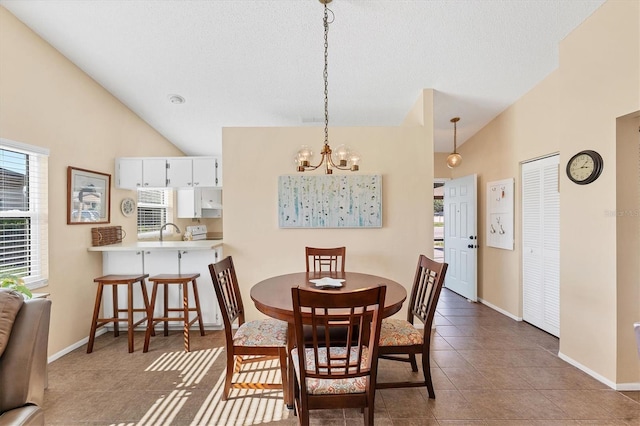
x: 259, y: 62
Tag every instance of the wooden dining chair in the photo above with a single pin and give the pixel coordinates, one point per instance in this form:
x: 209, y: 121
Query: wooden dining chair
x: 325, y: 259
x: 253, y: 341
x: 329, y: 374
x: 400, y: 340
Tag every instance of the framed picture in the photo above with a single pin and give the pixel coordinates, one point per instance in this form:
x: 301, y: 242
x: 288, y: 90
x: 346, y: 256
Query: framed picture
x: 88, y: 197
x: 330, y: 201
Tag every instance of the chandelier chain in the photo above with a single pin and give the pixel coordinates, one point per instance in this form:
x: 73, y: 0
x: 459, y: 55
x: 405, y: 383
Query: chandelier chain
x: 345, y: 158
x: 326, y: 75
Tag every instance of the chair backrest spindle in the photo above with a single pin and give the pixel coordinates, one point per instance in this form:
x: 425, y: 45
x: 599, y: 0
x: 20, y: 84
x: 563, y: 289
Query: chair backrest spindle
x: 426, y: 289
x: 225, y: 283
x: 325, y: 259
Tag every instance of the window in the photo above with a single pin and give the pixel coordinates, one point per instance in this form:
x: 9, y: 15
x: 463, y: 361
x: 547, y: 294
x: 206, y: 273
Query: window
x: 24, y: 236
x: 153, y: 211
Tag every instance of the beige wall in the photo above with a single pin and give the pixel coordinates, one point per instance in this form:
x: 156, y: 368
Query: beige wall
x: 627, y: 214
x: 404, y: 157
x: 440, y: 169
x: 574, y: 108
x: 47, y: 101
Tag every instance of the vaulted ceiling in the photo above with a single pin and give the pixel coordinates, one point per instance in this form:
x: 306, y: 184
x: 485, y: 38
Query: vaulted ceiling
x: 260, y: 62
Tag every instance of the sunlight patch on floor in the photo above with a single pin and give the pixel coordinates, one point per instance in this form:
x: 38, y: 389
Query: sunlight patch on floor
x: 243, y: 407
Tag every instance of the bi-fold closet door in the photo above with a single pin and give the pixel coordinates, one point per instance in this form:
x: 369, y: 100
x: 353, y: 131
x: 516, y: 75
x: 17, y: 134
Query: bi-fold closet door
x: 541, y: 244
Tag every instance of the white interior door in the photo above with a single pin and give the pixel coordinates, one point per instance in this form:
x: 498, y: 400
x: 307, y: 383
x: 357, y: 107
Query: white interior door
x: 541, y: 244
x: 461, y: 236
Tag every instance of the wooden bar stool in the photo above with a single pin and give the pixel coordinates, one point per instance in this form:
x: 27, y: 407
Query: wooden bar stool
x: 115, y: 281
x: 183, y: 280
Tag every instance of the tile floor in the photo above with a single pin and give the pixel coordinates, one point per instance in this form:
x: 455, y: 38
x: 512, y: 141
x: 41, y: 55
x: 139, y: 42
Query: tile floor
x: 487, y: 370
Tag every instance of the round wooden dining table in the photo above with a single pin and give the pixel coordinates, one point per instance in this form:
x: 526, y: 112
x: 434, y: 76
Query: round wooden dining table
x: 272, y: 297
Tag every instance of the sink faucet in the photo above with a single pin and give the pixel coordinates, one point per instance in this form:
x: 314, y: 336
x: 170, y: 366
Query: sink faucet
x: 167, y: 224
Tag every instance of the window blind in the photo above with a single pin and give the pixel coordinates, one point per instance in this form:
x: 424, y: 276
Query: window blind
x: 153, y: 211
x: 24, y: 237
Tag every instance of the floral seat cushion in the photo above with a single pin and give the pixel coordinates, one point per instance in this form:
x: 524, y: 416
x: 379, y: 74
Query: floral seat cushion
x: 264, y: 332
x: 397, y: 332
x: 331, y: 386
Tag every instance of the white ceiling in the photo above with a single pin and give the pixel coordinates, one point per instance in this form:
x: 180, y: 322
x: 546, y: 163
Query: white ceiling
x: 259, y: 62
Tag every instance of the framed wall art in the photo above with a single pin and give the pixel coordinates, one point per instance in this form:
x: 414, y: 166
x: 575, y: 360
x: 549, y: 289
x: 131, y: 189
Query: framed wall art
x: 500, y: 202
x: 88, y: 197
x: 328, y: 201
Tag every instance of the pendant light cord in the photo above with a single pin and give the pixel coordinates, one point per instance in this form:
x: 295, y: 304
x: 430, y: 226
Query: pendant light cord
x: 326, y: 75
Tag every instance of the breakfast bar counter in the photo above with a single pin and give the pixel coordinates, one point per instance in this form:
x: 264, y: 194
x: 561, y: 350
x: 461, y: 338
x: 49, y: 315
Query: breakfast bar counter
x: 166, y: 257
x: 160, y: 245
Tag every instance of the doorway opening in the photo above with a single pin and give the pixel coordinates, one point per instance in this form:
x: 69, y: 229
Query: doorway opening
x: 438, y: 220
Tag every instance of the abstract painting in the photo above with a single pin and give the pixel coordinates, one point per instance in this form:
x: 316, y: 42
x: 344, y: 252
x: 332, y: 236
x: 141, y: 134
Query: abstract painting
x: 328, y: 201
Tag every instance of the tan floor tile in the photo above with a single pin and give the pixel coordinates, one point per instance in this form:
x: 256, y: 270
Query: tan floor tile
x: 514, y: 405
x: 449, y: 359
x: 467, y: 378
x: 565, y: 377
x: 514, y: 379
x: 504, y: 378
x: 595, y: 404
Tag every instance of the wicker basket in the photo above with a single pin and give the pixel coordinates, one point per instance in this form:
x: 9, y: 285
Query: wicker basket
x: 106, y: 235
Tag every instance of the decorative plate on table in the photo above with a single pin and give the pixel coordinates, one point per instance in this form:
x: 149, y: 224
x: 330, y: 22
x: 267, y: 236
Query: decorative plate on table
x: 327, y: 282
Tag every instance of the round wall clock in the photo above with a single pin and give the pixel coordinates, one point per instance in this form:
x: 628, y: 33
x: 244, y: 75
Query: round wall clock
x: 128, y: 206
x: 585, y: 167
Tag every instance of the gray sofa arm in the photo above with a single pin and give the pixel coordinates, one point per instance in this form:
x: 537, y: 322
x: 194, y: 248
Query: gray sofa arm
x: 23, y: 365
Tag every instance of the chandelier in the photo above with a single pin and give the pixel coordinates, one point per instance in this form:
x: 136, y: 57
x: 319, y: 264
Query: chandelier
x: 346, y: 159
x: 454, y: 159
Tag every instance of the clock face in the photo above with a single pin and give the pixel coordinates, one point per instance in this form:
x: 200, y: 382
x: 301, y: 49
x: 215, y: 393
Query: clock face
x: 584, y: 167
x: 128, y: 206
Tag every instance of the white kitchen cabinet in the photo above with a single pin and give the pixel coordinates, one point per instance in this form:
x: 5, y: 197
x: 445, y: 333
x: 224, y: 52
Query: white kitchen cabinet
x: 191, y: 172
x: 199, y: 203
x: 198, y: 261
x: 168, y: 172
x: 139, y: 173
x: 179, y: 172
x: 206, y: 172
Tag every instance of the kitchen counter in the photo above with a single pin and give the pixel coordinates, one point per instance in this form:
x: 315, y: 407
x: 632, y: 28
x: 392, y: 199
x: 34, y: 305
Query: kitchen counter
x: 160, y: 246
x: 167, y: 257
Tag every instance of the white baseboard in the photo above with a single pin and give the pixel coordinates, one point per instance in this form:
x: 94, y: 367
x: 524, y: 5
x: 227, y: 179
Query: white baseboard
x: 600, y: 378
x: 502, y: 311
x: 75, y: 346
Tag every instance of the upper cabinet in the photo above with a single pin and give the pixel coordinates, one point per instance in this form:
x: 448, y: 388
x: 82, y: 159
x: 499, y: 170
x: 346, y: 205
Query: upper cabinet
x: 139, y: 173
x: 168, y: 172
x: 207, y: 172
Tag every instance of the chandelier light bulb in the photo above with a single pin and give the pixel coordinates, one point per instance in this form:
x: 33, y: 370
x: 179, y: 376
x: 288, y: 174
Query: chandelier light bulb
x: 354, y: 159
x: 305, y: 153
x: 454, y: 160
x: 342, y: 152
